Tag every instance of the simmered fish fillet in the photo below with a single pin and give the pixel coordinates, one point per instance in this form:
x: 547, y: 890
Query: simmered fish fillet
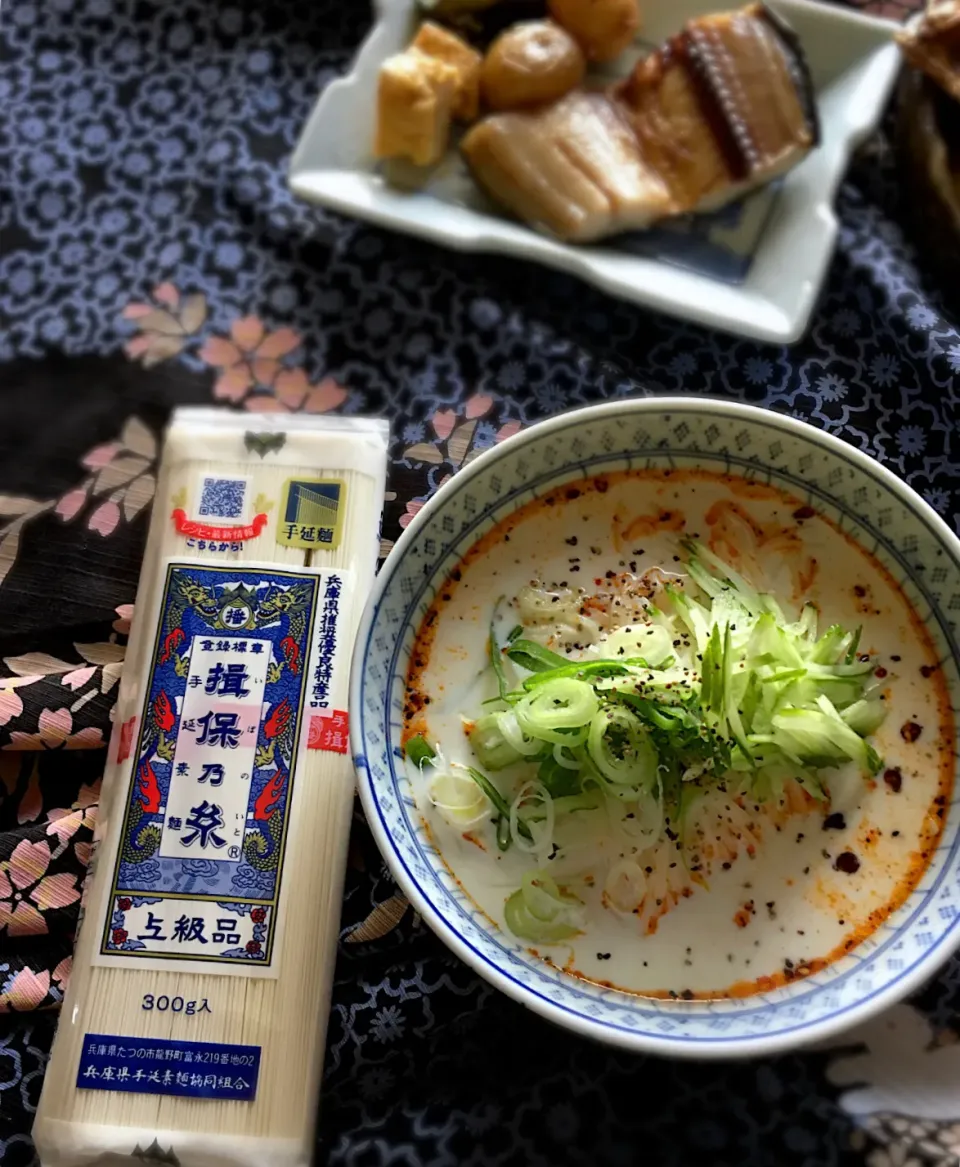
x: 723, y: 107
x: 573, y: 169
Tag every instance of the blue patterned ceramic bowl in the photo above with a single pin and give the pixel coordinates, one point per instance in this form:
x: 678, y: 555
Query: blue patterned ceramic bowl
x: 867, y: 501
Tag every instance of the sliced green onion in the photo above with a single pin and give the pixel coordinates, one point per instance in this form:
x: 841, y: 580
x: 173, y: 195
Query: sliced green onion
x: 496, y: 657
x: 494, y: 795
x: 458, y: 799
x: 560, y: 778
x: 580, y: 670
x: 533, y: 657
x: 555, y: 711
x: 621, y: 749
x: 538, y: 911
x: 625, y: 886
x: 419, y: 750
x: 522, y: 832
x: 524, y: 745
x: 490, y: 745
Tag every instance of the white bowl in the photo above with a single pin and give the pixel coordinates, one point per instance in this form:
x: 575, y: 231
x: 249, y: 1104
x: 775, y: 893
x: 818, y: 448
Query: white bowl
x: 755, y: 268
x: 873, y: 506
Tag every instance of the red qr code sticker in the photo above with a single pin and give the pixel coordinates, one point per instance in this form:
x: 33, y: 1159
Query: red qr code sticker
x: 330, y: 732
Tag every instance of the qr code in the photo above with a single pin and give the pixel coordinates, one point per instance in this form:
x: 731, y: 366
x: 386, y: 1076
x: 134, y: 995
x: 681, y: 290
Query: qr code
x: 223, y: 498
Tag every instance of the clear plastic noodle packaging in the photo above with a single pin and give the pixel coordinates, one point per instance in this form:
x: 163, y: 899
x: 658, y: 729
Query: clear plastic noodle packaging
x: 193, y: 1028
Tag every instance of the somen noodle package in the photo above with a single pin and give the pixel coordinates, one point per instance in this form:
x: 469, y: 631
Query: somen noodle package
x: 193, y: 1028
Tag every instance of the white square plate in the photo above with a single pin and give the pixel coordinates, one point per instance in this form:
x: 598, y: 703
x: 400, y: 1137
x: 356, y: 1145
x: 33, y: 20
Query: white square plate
x: 754, y: 268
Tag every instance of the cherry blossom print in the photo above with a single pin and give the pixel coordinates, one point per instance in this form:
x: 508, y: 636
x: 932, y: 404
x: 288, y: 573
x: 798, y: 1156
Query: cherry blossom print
x: 163, y: 327
x: 26, y: 890
x: 54, y: 731
x: 250, y: 358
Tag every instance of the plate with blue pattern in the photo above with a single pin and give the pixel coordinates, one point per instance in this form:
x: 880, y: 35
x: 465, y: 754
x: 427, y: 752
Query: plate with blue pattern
x: 753, y: 268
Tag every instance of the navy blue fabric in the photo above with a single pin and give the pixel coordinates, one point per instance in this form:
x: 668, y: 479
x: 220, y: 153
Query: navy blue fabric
x: 144, y: 147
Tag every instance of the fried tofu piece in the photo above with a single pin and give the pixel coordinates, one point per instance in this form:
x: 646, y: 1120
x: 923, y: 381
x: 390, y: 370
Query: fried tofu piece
x: 435, y: 41
x: 414, y: 107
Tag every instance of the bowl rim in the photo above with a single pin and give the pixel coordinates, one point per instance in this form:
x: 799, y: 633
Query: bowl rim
x: 687, y: 1047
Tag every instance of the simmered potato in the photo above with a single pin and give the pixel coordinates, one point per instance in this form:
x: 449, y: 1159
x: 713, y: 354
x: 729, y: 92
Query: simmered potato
x: 603, y: 28
x: 533, y: 63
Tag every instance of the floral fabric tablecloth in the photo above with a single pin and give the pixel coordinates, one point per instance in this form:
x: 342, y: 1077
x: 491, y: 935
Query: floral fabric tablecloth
x: 151, y: 255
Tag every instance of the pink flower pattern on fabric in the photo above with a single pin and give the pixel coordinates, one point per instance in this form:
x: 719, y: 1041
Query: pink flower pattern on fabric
x: 83, y: 813
x: 124, y: 615
x: 11, y: 705
x: 253, y: 371
x: 121, y: 480
x: 26, y: 890
x: 55, y: 731
x: 162, y: 332
x: 251, y: 357
x: 25, y: 991
x: 460, y: 437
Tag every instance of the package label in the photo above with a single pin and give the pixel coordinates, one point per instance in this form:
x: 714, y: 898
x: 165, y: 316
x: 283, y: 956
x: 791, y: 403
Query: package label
x: 311, y: 513
x: 184, y: 1069
x: 233, y: 688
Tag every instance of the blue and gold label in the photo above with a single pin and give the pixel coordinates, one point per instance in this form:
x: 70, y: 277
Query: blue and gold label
x: 311, y: 513
x: 198, y: 872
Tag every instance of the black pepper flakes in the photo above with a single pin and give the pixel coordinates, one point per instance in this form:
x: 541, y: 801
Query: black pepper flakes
x: 893, y: 778
x: 847, y: 862
x: 834, y: 822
